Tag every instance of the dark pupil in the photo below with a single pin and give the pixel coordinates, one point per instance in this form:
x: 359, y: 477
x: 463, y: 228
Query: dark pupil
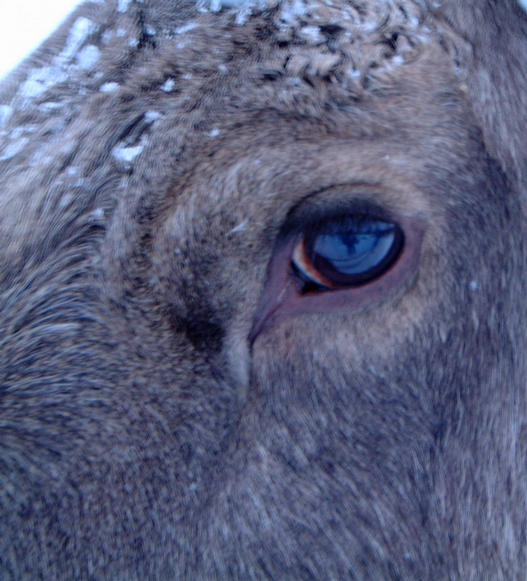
x: 356, y: 251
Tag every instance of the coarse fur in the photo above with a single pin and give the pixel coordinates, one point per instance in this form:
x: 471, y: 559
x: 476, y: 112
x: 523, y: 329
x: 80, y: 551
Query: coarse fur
x: 157, y: 158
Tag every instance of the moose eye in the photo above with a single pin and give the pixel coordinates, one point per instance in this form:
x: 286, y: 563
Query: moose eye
x: 346, y: 253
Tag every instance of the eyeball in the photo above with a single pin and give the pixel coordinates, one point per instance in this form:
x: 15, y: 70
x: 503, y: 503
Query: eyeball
x: 347, y: 252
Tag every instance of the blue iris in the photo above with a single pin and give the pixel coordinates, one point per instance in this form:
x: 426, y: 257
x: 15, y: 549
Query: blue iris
x: 355, y: 250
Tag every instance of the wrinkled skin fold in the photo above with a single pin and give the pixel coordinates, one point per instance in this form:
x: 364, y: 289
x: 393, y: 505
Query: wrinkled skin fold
x: 171, y: 405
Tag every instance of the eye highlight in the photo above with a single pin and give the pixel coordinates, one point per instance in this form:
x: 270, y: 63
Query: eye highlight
x: 346, y: 252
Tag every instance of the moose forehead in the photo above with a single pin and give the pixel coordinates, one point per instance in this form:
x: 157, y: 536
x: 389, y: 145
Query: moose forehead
x: 352, y: 43
x: 200, y: 68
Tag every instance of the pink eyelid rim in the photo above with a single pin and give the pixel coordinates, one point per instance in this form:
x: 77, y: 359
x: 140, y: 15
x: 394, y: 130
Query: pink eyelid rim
x: 282, y: 298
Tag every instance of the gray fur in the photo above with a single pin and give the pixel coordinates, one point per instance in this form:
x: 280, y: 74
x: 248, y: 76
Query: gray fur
x: 146, y: 182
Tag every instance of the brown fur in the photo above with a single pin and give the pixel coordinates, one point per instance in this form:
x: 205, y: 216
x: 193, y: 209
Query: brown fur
x: 144, y: 434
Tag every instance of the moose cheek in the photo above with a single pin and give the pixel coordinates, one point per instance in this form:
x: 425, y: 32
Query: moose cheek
x: 284, y: 297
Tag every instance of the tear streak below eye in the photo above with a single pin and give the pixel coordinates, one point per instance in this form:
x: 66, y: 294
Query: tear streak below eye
x: 346, y: 253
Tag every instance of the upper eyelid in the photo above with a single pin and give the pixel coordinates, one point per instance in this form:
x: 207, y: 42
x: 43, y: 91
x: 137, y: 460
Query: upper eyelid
x: 319, y: 209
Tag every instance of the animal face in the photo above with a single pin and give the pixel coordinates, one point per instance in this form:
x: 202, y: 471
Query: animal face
x: 262, y: 281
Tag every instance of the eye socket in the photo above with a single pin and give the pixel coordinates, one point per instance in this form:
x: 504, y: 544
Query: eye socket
x: 346, y: 252
x: 363, y: 256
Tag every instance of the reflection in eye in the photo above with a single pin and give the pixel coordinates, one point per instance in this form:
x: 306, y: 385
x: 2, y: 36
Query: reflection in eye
x: 346, y: 252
